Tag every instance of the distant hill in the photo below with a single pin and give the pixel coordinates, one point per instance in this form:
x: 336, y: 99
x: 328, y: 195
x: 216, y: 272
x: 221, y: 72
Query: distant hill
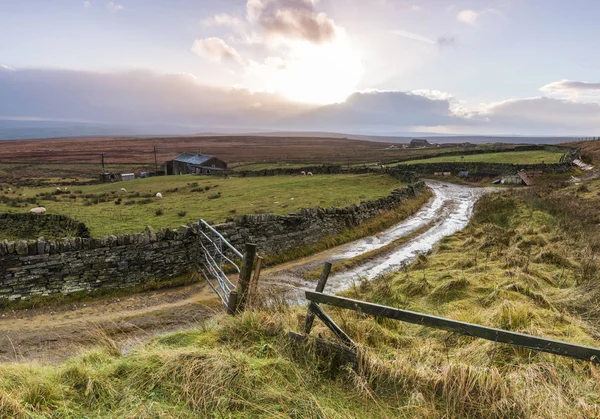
x: 20, y: 130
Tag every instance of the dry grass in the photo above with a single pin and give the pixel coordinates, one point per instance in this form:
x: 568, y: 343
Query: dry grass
x: 245, y: 367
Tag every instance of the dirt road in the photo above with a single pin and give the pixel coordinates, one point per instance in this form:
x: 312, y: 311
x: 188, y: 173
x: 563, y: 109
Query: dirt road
x: 51, y: 334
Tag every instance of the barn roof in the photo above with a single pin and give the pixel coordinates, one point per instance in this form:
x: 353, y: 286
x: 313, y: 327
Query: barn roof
x: 192, y: 158
x: 525, y: 177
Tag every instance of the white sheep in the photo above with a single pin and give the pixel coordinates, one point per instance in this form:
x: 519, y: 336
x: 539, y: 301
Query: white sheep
x: 9, y: 189
x: 159, y: 195
x: 38, y: 210
x: 303, y: 173
x: 58, y: 189
x: 123, y: 190
x: 309, y: 174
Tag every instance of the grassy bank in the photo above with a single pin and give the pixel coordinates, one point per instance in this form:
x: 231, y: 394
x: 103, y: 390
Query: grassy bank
x: 105, y: 209
x: 510, y: 157
x: 524, y: 263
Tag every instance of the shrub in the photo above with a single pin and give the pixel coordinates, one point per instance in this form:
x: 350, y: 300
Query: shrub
x: 214, y: 196
x: 182, y: 213
x: 159, y: 212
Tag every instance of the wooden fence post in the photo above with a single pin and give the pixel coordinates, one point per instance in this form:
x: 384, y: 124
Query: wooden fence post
x: 255, y: 278
x: 243, y: 285
x: 310, y: 315
x: 232, y: 302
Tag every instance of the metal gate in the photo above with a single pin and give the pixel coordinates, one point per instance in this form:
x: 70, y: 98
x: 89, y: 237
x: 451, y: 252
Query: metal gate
x: 218, y: 258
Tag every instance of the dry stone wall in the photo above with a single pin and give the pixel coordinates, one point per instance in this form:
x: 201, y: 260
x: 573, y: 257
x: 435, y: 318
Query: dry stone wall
x: 280, y: 234
x: 63, y: 266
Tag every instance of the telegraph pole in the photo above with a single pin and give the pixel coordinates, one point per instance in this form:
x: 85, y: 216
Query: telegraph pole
x: 103, y: 176
x: 155, y: 163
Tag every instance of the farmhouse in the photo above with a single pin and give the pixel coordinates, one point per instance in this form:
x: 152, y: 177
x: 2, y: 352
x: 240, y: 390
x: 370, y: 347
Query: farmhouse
x: 419, y: 143
x: 191, y: 163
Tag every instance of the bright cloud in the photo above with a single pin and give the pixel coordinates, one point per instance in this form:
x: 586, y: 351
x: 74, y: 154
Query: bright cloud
x: 289, y: 47
x: 472, y: 17
x: 468, y: 16
x: 215, y: 49
x: 222, y: 19
x: 294, y: 19
x: 87, y: 4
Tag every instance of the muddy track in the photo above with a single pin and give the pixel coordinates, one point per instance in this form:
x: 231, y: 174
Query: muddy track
x: 52, y: 334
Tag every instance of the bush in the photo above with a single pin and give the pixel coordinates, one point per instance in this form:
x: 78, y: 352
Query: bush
x: 214, y: 196
x: 182, y: 213
x: 159, y: 212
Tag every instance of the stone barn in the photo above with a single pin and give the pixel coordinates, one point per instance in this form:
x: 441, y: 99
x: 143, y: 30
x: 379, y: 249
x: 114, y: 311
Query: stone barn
x: 191, y: 163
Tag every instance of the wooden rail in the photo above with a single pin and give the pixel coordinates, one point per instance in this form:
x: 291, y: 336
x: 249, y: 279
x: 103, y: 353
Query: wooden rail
x: 496, y: 335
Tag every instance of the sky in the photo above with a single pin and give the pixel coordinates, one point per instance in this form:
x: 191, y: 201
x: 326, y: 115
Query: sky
x: 380, y: 66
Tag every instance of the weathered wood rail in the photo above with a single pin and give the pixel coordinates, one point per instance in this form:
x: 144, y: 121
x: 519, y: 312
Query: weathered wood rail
x: 556, y: 347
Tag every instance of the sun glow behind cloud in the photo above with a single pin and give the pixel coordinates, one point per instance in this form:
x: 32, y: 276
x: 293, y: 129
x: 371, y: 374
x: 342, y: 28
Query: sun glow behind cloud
x: 319, y: 74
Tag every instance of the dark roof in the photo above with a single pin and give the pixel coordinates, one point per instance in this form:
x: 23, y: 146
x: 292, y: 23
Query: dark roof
x: 191, y: 158
x: 525, y: 177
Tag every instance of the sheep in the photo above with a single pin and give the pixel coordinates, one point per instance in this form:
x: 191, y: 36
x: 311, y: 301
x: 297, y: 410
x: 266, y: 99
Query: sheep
x: 123, y: 190
x: 9, y: 189
x: 159, y: 195
x: 38, y: 210
x: 58, y: 189
x: 309, y: 174
x: 303, y: 173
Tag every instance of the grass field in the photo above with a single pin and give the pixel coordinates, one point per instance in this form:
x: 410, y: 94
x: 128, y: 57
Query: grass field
x: 523, y: 264
x: 512, y: 157
x: 188, y: 198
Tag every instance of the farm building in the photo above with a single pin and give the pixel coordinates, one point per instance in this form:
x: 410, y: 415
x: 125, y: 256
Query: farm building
x: 520, y: 178
x: 127, y: 176
x: 191, y: 163
x: 419, y: 143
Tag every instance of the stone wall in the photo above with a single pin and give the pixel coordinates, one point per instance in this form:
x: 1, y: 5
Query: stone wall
x: 488, y: 169
x: 45, y: 267
x: 30, y: 226
x: 63, y: 266
x: 280, y: 234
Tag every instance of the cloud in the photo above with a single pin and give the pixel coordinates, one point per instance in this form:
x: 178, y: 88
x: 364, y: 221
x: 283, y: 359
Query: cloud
x: 544, y: 113
x: 412, y: 36
x: 114, y: 7
x: 223, y: 19
x: 5, y: 68
x: 135, y: 98
x: 293, y: 19
x: 468, y: 16
x: 442, y: 41
x: 87, y: 4
x: 446, y: 41
x: 472, y: 17
x: 416, y: 8
x: 216, y: 49
x: 379, y: 111
x: 569, y: 85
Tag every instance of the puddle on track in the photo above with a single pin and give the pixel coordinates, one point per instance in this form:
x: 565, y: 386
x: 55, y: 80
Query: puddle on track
x: 452, y: 204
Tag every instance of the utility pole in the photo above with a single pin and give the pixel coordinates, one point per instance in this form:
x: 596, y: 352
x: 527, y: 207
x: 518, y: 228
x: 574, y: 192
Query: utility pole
x: 103, y: 176
x: 155, y: 163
